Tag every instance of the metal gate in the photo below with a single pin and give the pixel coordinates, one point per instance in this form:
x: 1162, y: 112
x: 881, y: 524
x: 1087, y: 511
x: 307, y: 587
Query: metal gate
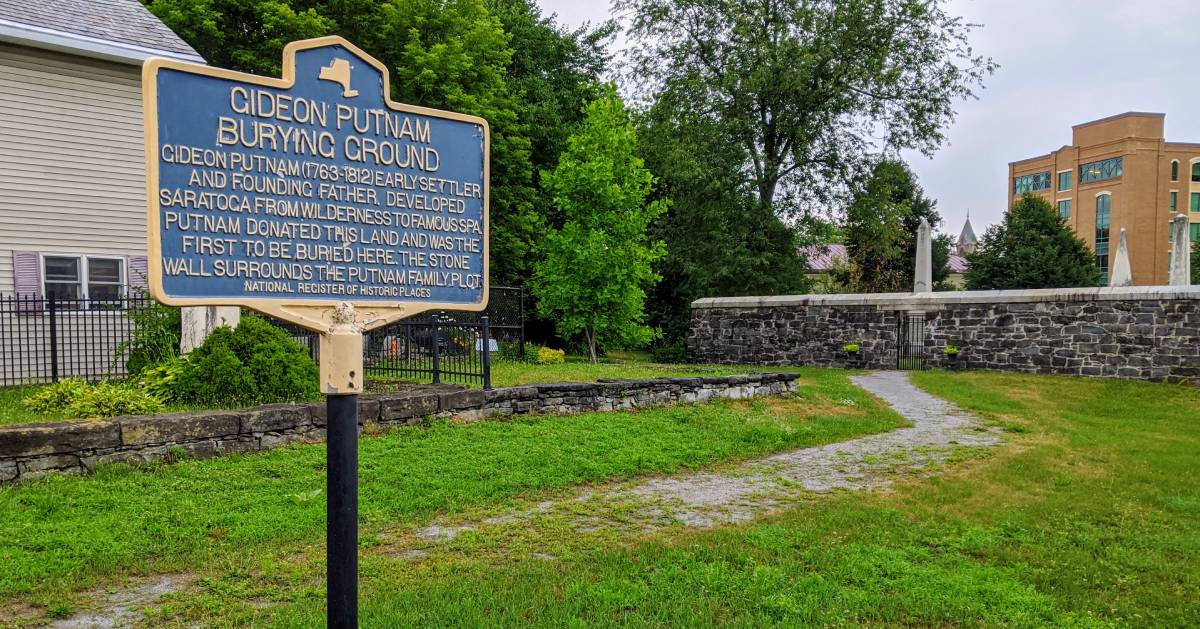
x: 910, y: 340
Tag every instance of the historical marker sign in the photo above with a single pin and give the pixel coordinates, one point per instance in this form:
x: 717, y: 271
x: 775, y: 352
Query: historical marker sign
x: 294, y: 195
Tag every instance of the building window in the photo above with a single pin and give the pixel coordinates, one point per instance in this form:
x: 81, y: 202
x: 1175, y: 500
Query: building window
x: 79, y: 278
x: 1103, y: 209
x: 1031, y: 183
x: 1101, y: 170
x: 1064, y: 208
x: 1194, y: 204
x: 1064, y: 180
x: 1174, y: 201
x: 1195, y: 237
x: 1174, y: 170
x: 1196, y: 172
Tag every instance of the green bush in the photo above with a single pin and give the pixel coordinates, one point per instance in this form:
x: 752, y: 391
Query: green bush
x: 109, y: 399
x: 55, y: 397
x: 155, y: 339
x: 547, y: 356
x: 254, y: 363
x: 511, y: 352
x: 670, y: 351
x: 77, y: 398
x: 159, y: 380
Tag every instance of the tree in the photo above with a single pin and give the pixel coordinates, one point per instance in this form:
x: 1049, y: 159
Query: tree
x: 720, y: 241
x: 598, y: 265
x: 1032, y: 248
x: 881, y: 231
x: 808, y: 88
x: 447, y: 54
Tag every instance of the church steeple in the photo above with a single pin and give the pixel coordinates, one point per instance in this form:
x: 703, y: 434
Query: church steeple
x: 967, y: 240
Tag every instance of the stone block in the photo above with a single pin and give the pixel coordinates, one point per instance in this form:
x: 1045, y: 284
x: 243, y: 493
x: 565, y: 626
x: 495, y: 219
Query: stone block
x: 8, y: 471
x: 276, y: 417
x: 49, y: 438
x: 49, y: 462
x: 405, y: 406
x: 456, y: 400
x: 179, y: 427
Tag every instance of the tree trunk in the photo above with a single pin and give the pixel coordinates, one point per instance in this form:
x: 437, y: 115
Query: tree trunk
x: 591, y: 341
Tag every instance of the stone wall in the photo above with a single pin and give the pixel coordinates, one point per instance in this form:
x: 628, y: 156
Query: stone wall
x: 31, y: 450
x: 1149, y: 333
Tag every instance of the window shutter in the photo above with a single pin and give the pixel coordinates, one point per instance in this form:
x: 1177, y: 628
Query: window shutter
x: 136, y: 272
x: 27, y: 276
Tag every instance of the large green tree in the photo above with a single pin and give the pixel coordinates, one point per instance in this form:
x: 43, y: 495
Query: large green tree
x: 598, y: 265
x: 720, y: 240
x: 881, y: 231
x: 808, y: 89
x: 447, y: 54
x: 1032, y: 248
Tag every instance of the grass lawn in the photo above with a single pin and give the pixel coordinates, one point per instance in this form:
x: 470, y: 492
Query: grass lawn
x: 244, y: 514
x: 1089, y: 517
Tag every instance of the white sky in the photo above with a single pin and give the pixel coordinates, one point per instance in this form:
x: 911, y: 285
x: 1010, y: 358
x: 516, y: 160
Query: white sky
x: 1062, y: 62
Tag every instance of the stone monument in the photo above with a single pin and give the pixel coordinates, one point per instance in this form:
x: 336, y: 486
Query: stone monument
x: 1181, y: 252
x: 1122, y: 272
x: 923, y: 277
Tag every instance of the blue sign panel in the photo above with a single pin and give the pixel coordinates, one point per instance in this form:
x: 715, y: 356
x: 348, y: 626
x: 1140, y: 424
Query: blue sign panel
x: 311, y: 189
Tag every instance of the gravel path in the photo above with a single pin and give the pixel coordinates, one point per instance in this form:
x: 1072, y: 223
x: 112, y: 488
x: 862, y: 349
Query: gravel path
x: 939, y: 429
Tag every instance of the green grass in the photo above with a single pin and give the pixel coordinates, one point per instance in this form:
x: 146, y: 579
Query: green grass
x: 65, y: 534
x: 13, y: 411
x: 1088, y: 517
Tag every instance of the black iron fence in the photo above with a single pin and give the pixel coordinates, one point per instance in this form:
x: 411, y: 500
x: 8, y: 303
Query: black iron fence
x: 43, y: 339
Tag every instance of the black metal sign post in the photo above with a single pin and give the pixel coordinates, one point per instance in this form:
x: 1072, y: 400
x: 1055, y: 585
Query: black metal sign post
x: 341, y: 512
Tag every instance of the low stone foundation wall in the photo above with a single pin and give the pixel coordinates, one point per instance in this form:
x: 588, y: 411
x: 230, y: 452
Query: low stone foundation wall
x: 31, y: 450
x: 1147, y: 333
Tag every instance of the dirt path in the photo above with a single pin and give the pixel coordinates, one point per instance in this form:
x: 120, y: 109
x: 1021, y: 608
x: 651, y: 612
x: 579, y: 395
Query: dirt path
x: 939, y: 430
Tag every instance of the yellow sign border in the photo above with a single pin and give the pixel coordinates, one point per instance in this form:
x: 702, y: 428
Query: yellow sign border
x: 315, y: 314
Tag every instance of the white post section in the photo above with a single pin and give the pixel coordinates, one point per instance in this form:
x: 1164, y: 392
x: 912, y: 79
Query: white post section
x: 1122, y: 272
x: 923, y: 277
x: 1181, y: 252
x: 200, y: 321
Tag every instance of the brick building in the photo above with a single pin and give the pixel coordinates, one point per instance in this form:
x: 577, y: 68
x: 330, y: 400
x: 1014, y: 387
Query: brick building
x: 1118, y: 172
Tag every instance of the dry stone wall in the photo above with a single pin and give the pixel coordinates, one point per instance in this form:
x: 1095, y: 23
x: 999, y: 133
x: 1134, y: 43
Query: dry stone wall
x: 1146, y: 333
x: 31, y: 450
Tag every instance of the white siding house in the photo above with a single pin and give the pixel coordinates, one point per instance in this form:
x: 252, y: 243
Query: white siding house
x: 72, y: 179
x: 72, y: 169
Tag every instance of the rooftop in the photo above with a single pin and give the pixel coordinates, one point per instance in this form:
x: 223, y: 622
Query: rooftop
x: 822, y: 258
x: 119, y: 30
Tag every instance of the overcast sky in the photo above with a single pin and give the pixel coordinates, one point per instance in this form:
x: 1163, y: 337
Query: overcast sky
x: 1062, y: 62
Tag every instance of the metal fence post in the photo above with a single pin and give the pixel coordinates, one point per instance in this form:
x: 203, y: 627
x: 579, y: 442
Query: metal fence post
x: 436, y: 340
x: 53, y: 312
x: 487, y: 354
x: 521, y: 310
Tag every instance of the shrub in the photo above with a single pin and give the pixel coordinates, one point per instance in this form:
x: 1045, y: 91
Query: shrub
x: 77, y: 398
x: 670, y: 351
x: 254, y: 363
x: 160, y: 380
x: 55, y: 397
x: 851, y: 348
x: 547, y: 356
x: 951, y: 350
x: 155, y: 339
x: 109, y: 399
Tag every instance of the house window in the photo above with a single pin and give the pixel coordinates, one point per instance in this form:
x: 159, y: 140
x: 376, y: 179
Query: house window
x: 1195, y: 232
x: 1064, y: 208
x: 1194, y: 205
x: 1174, y: 170
x: 1196, y: 172
x: 1064, y: 180
x: 1103, y: 209
x: 1174, y: 201
x: 1101, y: 170
x: 79, y: 278
x: 1031, y: 183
